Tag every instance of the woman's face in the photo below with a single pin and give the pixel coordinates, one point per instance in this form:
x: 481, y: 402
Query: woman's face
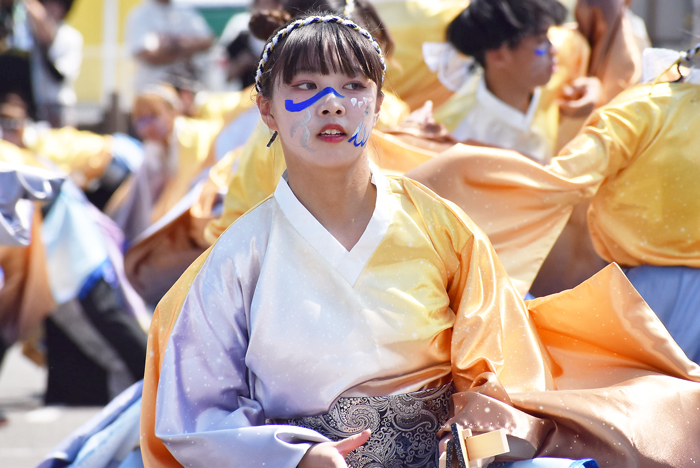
x: 534, y: 59
x: 154, y: 122
x: 323, y: 120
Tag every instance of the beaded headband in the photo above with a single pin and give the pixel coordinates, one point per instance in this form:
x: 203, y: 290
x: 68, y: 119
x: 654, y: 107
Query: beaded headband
x: 284, y: 32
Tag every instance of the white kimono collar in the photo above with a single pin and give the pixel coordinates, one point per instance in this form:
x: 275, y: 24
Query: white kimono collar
x: 348, y: 263
x: 509, y: 114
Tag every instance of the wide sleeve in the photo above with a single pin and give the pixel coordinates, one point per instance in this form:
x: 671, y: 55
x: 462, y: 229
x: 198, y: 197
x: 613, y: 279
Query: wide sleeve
x: 613, y: 136
x: 492, y: 332
x: 206, y: 412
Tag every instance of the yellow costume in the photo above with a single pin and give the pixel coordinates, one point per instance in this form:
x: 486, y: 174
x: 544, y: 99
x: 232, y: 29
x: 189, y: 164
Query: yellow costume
x: 194, y: 154
x: 638, y: 146
x: 82, y: 155
x: 642, y: 147
x: 411, y: 23
x: 422, y: 300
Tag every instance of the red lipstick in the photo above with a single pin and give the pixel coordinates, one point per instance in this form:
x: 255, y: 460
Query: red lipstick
x: 332, y: 133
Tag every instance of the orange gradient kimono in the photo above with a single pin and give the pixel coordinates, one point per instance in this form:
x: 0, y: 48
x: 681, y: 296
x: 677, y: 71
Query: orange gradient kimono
x: 277, y: 319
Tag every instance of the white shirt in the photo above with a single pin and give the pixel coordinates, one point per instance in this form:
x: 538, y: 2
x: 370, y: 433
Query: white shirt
x: 150, y: 18
x: 66, y: 54
x: 494, y: 122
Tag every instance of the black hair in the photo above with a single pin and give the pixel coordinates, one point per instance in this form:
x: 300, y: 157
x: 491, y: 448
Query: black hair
x: 263, y: 23
x: 67, y: 5
x: 321, y: 48
x: 488, y: 24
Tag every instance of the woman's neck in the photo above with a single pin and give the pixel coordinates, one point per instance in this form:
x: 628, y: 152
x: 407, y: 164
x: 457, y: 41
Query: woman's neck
x: 341, y: 199
x: 508, y: 91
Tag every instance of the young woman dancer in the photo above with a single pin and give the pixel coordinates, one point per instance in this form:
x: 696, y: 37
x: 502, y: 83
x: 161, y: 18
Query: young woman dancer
x: 349, y: 300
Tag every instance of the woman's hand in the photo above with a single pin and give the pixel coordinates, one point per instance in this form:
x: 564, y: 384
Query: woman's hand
x: 580, y: 97
x: 332, y: 454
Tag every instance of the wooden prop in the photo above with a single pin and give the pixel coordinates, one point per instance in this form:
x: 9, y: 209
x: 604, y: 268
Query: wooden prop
x: 470, y: 449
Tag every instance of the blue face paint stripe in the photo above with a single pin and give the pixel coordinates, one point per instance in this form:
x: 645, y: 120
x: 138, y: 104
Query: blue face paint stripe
x: 300, y: 106
x: 362, y: 141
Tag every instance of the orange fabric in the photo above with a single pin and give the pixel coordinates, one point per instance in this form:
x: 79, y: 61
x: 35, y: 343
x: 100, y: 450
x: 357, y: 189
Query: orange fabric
x: 154, y: 452
x: 615, y: 57
x: 154, y: 264
x: 520, y: 205
x: 25, y: 298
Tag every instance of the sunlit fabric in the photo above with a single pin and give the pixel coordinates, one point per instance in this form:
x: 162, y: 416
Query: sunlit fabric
x: 420, y: 299
x: 518, y: 203
x: 399, y: 338
x: 642, y: 145
x: 81, y: 154
x: 225, y: 107
x: 411, y: 23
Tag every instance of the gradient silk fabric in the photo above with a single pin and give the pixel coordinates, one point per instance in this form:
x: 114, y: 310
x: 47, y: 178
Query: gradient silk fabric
x: 644, y: 146
x: 277, y: 320
x: 635, y: 159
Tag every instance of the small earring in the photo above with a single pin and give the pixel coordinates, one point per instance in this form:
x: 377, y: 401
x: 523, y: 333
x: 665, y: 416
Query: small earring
x: 269, y: 143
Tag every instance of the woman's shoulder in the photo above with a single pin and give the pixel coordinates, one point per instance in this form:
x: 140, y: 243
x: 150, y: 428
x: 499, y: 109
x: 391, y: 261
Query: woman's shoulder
x: 253, y: 224
x: 437, y: 212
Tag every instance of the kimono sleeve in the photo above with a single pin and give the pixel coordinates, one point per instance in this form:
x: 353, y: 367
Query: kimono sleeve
x: 206, y: 414
x: 492, y: 331
x: 611, y: 138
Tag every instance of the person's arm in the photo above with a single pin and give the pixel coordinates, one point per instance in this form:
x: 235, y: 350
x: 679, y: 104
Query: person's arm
x: 161, y: 48
x: 612, y: 137
x: 164, y: 49
x: 206, y: 413
x: 43, y: 26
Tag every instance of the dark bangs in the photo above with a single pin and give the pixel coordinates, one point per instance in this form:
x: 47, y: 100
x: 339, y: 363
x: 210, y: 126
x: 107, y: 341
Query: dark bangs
x: 323, y: 48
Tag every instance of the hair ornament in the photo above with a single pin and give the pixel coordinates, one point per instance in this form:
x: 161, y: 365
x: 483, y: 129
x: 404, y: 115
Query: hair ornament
x: 272, y: 139
x: 689, y: 58
x: 284, y: 32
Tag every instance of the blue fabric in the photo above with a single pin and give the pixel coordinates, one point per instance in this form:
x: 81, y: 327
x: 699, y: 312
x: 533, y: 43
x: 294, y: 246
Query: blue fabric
x: 68, y: 450
x: 134, y: 460
x: 73, y: 242
x: 674, y: 294
x: 549, y: 463
x: 127, y: 151
x: 529, y: 297
x: 104, y: 271
x: 113, y: 444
